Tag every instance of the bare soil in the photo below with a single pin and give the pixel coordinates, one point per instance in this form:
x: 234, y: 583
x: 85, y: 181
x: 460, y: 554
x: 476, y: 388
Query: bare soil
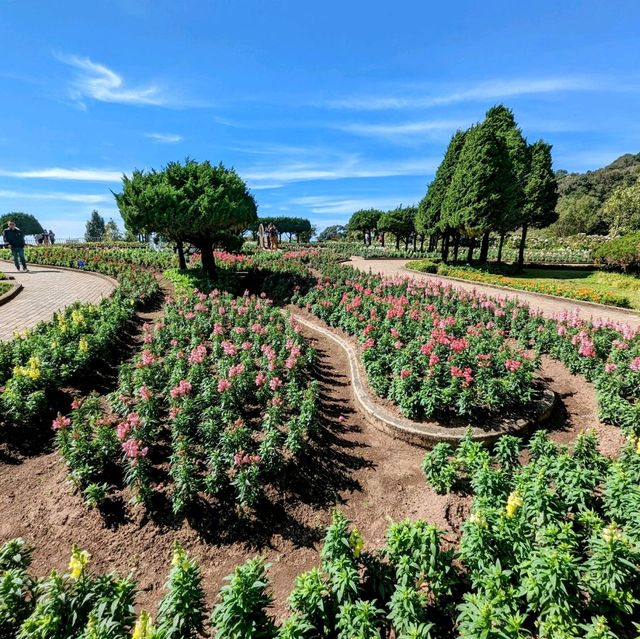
x: 371, y: 477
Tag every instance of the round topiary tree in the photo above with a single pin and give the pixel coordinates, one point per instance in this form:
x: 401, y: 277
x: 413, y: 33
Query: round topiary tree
x: 193, y: 202
x: 26, y: 222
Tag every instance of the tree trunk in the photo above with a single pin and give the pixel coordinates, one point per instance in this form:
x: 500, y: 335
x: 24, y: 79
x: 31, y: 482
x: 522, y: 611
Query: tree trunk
x: 523, y: 240
x: 406, y: 242
x: 208, y: 261
x: 415, y: 242
x: 484, y: 247
x: 445, y: 247
x: 182, y: 263
x: 472, y: 245
x: 500, y: 247
x: 382, y: 240
x: 456, y: 246
x: 421, y: 242
x: 397, y: 242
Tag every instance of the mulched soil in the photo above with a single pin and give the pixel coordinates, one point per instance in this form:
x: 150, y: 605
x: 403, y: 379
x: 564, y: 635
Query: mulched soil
x: 371, y: 477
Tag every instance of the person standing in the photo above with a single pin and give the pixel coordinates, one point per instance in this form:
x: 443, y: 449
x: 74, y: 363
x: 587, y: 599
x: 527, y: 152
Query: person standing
x: 52, y: 237
x: 45, y: 236
x: 14, y: 237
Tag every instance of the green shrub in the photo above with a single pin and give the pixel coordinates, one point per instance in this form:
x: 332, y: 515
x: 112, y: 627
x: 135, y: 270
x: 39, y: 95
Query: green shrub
x: 621, y: 253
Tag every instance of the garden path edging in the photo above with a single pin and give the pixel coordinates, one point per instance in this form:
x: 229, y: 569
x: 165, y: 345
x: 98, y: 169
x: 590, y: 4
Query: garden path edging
x: 425, y: 434
x: 11, y: 293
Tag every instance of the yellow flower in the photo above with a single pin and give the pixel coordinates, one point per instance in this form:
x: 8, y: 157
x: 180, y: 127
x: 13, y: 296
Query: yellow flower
x: 83, y: 345
x: 356, y: 542
x: 79, y: 559
x: 611, y: 533
x: 514, y: 501
x: 77, y: 317
x: 478, y: 519
x: 32, y: 370
x: 144, y: 627
x: 638, y: 446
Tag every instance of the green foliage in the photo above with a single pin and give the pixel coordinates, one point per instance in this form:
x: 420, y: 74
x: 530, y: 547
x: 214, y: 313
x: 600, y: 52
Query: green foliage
x: 400, y: 222
x: 365, y: 221
x: 579, y: 214
x: 621, y: 253
x: 333, y: 233
x: 95, y: 228
x: 181, y: 612
x: 241, y: 613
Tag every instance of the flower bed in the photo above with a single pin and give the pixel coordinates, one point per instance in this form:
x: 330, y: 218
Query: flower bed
x: 546, y: 287
x: 430, y: 350
x: 221, y: 387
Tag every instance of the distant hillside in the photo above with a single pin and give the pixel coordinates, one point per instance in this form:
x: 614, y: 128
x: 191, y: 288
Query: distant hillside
x: 599, y: 183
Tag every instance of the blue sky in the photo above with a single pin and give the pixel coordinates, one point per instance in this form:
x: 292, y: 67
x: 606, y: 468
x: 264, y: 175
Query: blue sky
x: 323, y: 108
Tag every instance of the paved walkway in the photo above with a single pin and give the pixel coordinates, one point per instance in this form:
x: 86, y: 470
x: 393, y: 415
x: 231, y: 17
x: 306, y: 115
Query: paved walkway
x: 46, y: 290
x: 550, y: 306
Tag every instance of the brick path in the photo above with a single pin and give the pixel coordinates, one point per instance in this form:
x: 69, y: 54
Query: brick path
x: 549, y: 306
x: 46, y: 290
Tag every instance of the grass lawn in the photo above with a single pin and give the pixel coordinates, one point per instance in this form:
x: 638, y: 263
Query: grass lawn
x: 4, y: 287
x: 599, y: 281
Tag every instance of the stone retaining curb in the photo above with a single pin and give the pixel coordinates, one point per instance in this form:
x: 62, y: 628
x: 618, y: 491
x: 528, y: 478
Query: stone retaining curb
x: 11, y: 293
x: 515, y: 291
x: 426, y: 434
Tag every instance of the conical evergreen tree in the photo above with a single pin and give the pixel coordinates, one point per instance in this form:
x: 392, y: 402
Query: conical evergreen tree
x: 429, y: 213
x: 540, y: 193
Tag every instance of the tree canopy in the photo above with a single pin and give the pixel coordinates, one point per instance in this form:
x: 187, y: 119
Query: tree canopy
x: 95, y: 228
x: 193, y: 202
x: 334, y: 232
x: 400, y: 222
x: 623, y: 209
x: 365, y: 221
x: 26, y: 222
x: 298, y: 226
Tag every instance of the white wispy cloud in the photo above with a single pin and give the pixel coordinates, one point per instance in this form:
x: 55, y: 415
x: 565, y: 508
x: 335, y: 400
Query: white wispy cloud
x: 97, y: 81
x: 488, y: 90
x: 86, y: 198
x: 327, y: 204
x: 57, y: 173
x: 408, y: 131
x: 164, y: 138
x: 348, y: 167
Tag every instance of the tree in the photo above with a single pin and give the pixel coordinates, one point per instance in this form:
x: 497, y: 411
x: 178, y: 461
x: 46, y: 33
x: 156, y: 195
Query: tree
x: 111, y: 231
x: 510, y: 212
x: 333, y: 233
x: 366, y: 222
x: 623, y: 209
x: 26, y: 222
x: 474, y: 199
x: 579, y: 214
x: 193, y: 202
x: 400, y: 222
x: 540, y: 193
x: 95, y: 229
x: 428, y: 217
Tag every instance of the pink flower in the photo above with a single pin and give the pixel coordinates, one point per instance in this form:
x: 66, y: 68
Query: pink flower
x: 635, y: 364
x: 243, y: 459
x: 174, y: 342
x: 76, y: 403
x: 246, y: 346
x: 290, y: 363
x: 218, y: 329
x: 587, y: 349
x: 122, y: 430
x: 236, y: 370
x: 224, y: 385
x: 60, y: 422
x: 277, y: 401
x: 425, y: 349
x: 404, y: 373
x: 609, y: 367
x: 146, y: 359
x: 275, y: 383
x: 512, y: 365
x: 198, y: 354
x: 133, y: 450
x: 458, y: 345
x: 342, y: 418
x: 433, y: 360
x: 398, y: 344
x: 183, y: 388
x: 260, y: 378
x: 200, y: 308
x: 145, y: 393
x: 368, y: 343
x: 229, y: 348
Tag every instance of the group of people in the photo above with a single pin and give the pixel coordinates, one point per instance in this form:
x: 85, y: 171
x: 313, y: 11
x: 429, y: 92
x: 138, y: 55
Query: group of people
x: 46, y: 237
x: 268, y: 237
x: 14, y: 237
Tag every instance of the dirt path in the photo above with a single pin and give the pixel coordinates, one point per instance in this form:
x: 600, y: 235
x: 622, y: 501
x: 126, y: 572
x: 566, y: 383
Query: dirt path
x: 550, y: 306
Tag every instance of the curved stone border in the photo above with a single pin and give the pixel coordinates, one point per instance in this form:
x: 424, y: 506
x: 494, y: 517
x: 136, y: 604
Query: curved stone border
x: 11, y: 293
x: 425, y: 434
x: 515, y: 291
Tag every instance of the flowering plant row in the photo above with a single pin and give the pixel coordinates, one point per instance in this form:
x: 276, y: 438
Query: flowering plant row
x: 220, y: 392
x: 607, y: 353
x: 552, y: 547
x: 432, y: 351
x: 36, y: 363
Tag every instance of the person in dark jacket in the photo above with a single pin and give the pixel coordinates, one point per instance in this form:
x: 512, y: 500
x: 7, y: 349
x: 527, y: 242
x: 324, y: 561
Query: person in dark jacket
x: 14, y: 237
